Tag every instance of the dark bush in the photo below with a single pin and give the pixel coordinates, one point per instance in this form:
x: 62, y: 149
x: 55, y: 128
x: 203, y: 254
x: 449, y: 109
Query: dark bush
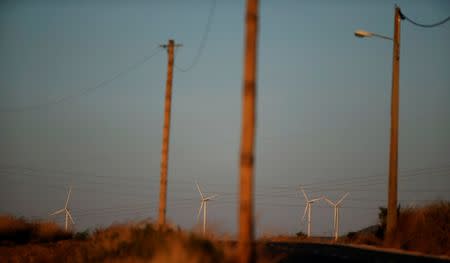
x: 81, y: 236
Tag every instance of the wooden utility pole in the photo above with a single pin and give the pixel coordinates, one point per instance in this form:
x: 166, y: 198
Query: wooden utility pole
x: 166, y: 134
x: 246, y: 224
x: 393, y: 148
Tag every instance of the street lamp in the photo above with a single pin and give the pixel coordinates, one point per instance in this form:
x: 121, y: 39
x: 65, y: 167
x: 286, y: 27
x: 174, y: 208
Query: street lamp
x: 393, y: 146
x: 362, y: 34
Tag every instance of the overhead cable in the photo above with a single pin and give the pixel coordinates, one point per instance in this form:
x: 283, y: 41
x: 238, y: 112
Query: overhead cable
x: 83, y: 91
x: 202, y: 41
x: 425, y: 25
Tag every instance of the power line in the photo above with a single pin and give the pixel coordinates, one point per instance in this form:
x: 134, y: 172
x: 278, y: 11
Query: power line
x: 101, y: 212
x: 30, y: 171
x: 202, y: 41
x: 425, y: 25
x: 83, y: 91
x: 91, y: 179
x: 361, y: 180
x: 139, y: 212
x: 403, y: 174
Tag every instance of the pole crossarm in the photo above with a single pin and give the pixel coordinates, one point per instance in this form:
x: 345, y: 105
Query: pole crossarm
x: 165, y: 46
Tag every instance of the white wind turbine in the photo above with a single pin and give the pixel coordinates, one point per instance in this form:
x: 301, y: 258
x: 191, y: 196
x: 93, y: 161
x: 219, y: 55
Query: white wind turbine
x: 204, y: 203
x: 66, y: 210
x: 336, y: 206
x: 308, y: 209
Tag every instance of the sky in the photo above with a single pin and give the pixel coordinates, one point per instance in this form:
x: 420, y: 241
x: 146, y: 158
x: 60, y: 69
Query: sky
x: 82, y: 94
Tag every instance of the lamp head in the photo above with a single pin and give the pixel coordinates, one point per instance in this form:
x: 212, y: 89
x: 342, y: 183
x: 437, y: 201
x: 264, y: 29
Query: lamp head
x: 362, y: 33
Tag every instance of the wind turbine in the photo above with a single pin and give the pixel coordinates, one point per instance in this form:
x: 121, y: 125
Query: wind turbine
x: 203, y: 204
x: 308, y: 209
x: 336, y: 206
x: 68, y: 215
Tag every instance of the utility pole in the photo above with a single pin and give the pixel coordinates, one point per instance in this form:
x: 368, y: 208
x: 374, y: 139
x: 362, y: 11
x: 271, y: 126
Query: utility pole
x: 246, y: 220
x: 166, y: 134
x: 393, y: 147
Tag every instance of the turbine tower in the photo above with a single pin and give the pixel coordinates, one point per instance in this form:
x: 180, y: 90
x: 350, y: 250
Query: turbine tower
x: 203, y: 204
x: 308, y: 209
x: 336, y: 206
x: 66, y: 210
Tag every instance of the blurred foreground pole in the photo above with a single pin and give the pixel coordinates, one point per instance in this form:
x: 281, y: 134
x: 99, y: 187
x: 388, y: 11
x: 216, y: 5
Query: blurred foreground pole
x: 166, y: 135
x: 393, y: 148
x: 246, y: 224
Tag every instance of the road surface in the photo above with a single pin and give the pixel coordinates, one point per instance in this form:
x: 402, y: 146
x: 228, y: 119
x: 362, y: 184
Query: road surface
x: 287, y: 252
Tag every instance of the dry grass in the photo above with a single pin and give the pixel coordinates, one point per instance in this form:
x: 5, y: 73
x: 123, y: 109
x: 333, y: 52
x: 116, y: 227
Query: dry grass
x: 147, y: 242
x: 118, y: 243
x: 423, y: 229
x: 15, y: 231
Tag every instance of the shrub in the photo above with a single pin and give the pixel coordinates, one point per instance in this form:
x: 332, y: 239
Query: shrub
x: 425, y: 229
x: 351, y: 235
x: 44, y: 232
x: 18, y: 231
x: 14, y: 230
x: 301, y: 235
x: 81, y: 236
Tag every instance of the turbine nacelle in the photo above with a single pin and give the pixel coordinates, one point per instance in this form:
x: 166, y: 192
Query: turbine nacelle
x: 212, y: 197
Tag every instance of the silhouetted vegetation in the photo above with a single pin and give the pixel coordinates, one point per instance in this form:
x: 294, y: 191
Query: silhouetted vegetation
x: 84, y: 235
x: 129, y: 243
x: 14, y: 231
x: 424, y: 229
x: 301, y: 235
x: 382, y: 220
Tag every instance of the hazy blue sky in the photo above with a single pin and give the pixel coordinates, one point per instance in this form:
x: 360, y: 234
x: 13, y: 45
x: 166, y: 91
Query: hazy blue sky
x: 323, y: 109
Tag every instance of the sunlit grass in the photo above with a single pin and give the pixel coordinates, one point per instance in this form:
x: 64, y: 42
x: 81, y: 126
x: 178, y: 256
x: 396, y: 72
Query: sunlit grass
x: 423, y: 229
x: 46, y: 242
x: 15, y: 231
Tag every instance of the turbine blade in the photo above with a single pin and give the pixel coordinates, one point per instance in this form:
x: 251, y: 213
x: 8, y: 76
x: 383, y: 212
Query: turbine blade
x: 211, y: 197
x: 57, y: 212
x: 68, y: 197
x: 70, y: 217
x: 314, y: 200
x: 342, y: 199
x: 329, y: 201
x: 304, y: 194
x: 200, y: 191
x: 200, y: 210
x: 304, y: 213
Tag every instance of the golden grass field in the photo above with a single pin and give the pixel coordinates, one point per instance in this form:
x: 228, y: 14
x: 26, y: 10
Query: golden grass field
x: 423, y: 229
